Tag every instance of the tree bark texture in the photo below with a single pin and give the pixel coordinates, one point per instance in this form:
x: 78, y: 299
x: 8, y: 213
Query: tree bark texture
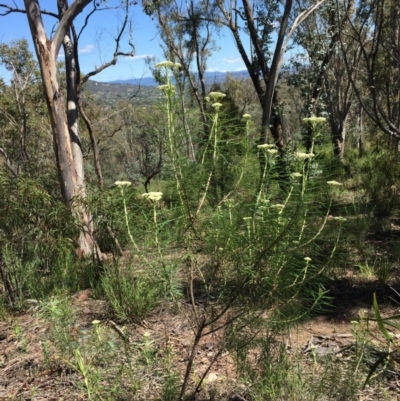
x: 66, y: 141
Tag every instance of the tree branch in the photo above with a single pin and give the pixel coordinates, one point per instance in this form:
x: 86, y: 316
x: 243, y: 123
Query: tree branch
x: 117, y: 53
x: 65, y: 23
x: 23, y: 11
x: 8, y: 162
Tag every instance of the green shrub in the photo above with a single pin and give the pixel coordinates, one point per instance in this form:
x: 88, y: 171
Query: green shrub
x: 132, y: 295
x: 380, y: 175
x: 37, y: 243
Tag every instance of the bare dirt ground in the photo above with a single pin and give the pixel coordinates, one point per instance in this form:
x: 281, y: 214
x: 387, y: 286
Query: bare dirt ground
x: 25, y: 374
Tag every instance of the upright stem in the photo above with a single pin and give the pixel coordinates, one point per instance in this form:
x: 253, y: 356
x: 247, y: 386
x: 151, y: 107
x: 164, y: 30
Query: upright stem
x: 127, y: 222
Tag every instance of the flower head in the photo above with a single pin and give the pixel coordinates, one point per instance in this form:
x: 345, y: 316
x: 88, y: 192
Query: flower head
x: 314, y: 120
x: 340, y: 219
x: 246, y: 117
x: 247, y: 218
x: 122, y: 183
x: 304, y: 156
x: 334, y: 183
x: 266, y: 146
x: 166, y: 88
x: 272, y: 151
x: 277, y: 206
x: 216, y: 105
x: 165, y: 64
x: 153, y: 196
x: 307, y: 259
x: 216, y: 96
x: 297, y: 175
x: 96, y: 322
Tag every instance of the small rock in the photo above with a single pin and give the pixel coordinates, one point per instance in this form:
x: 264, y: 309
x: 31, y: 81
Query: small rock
x: 212, y: 377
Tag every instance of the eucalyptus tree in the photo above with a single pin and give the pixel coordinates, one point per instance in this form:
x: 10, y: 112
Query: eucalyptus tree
x: 326, y: 76
x: 259, y: 21
x: 63, y: 112
x: 375, y: 28
x: 187, y: 30
x: 20, y: 109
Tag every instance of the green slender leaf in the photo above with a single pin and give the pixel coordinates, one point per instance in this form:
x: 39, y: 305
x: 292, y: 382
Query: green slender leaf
x: 380, y: 361
x: 389, y: 322
x: 380, y: 321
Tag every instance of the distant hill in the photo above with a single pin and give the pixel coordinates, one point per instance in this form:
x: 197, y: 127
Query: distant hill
x: 211, y: 77
x: 143, y: 91
x: 108, y: 93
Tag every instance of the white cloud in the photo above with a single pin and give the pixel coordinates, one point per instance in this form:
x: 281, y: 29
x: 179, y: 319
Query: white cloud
x: 127, y: 60
x: 215, y: 70
x: 86, y: 49
x: 142, y: 56
x: 138, y: 57
x: 232, y: 60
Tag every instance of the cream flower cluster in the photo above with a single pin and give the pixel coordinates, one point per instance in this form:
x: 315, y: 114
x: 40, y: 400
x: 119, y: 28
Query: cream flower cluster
x: 272, y: 151
x: 122, y: 183
x: 153, y: 196
x: 266, y: 146
x: 167, y: 88
x: 216, y: 105
x: 168, y: 64
x: 314, y: 120
x: 277, y: 206
x: 216, y: 96
x: 334, y: 183
x: 304, y: 156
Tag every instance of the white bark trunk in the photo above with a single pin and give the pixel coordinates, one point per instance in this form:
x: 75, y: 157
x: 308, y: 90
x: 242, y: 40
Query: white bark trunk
x: 66, y: 142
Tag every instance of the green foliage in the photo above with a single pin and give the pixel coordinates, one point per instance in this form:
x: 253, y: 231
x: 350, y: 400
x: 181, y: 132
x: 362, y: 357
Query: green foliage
x: 380, y: 173
x: 37, y: 242
x: 250, y: 254
x: 132, y: 295
x: 269, y: 372
x: 58, y: 311
x: 386, y: 357
x: 258, y: 247
x: 110, y: 220
x: 24, y: 141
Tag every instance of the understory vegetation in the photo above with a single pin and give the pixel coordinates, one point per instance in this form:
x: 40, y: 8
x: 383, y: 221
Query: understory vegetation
x: 202, y: 238
x: 238, y: 261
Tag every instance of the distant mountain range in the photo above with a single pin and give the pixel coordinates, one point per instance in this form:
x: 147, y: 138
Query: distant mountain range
x: 144, y: 91
x: 210, y: 78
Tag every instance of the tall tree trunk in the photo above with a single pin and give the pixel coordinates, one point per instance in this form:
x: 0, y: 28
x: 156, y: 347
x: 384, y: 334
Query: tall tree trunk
x: 270, y: 100
x: 338, y: 140
x: 67, y: 150
x: 360, y: 125
x: 86, y: 235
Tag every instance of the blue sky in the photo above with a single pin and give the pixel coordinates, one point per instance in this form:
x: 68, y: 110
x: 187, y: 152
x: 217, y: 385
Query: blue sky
x: 97, y: 42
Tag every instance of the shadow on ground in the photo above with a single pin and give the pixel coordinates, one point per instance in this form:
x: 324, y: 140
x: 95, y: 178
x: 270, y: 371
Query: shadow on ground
x: 350, y: 294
